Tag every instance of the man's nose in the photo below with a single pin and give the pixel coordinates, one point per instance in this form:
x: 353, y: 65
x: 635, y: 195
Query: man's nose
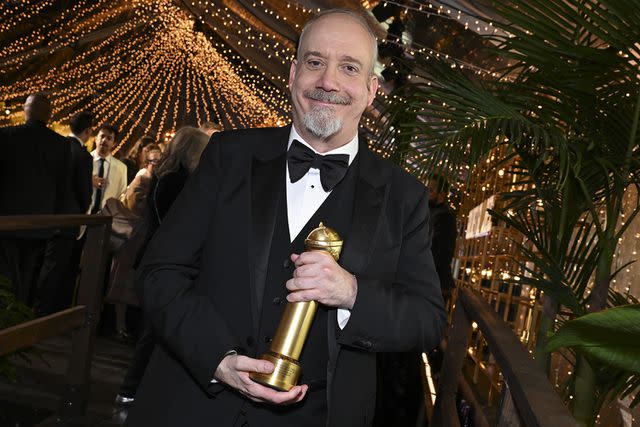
x: 329, y: 80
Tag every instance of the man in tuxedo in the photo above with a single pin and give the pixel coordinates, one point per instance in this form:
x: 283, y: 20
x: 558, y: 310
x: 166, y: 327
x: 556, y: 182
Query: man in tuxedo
x: 62, y: 253
x: 34, y: 180
x: 230, y: 254
x: 109, y: 174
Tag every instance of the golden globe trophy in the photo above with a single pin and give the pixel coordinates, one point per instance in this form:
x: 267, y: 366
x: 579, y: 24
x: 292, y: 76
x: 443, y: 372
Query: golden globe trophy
x: 295, y: 323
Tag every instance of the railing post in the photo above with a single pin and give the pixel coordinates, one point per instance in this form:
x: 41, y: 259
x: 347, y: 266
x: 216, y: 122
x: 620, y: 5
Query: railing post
x: 93, y: 265
x: 445, y: 413
x: 507, y: 412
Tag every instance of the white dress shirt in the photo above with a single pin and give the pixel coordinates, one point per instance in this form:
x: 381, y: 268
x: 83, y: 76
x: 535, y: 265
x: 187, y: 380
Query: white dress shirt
x: 96, y: 169
x: 306, y: 195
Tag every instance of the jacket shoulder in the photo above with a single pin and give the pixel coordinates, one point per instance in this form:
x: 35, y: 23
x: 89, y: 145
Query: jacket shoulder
x: 403, y: 183
x: 258, y: 141
x: 119, y: 164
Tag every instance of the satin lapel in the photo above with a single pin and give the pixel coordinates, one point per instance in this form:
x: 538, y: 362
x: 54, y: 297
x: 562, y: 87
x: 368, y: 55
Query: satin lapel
x: 267, y: 187
x: 371, y: 189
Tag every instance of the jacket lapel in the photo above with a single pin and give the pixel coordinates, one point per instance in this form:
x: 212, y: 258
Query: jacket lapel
x: 267, y: 189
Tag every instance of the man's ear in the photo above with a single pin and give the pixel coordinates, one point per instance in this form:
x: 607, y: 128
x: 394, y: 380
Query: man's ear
x: 292, y: 72
x: 373, y: 88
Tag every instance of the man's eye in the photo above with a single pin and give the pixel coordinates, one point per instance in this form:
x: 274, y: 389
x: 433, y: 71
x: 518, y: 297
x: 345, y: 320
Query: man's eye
x: 351, y: 69
x: 313, y: 63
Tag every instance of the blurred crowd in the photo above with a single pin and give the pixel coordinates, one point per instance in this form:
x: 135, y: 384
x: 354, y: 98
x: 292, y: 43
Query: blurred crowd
x: 45, y: 173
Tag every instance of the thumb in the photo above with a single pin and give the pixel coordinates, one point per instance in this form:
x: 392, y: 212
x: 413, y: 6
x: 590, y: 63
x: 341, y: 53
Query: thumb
x: 265, y: 367
x: 248, y: 364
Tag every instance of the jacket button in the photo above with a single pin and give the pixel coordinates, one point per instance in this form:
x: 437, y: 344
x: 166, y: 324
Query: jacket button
x: 277, y: 301
x: 287, y: 263
x: 267, y: 339
x: 364, y: 344
x: 250, y: 341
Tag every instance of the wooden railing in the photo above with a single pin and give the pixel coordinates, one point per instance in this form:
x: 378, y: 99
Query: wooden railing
x: 528, y: 398
x: 80, y: 320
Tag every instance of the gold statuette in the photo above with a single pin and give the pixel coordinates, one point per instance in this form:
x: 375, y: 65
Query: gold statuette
x: 295, y: 323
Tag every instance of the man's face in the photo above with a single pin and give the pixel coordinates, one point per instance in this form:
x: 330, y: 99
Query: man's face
x: 105, y: 142
x: 153, y: 158
x: 330, y: 81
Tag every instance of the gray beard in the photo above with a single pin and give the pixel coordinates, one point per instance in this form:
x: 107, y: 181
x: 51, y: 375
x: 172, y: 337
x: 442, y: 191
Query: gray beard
x: 321, y: 122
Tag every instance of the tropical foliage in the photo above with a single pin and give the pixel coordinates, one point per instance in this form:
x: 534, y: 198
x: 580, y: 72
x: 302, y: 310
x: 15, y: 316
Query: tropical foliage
x: 566, y: 110
x: 12, y: 312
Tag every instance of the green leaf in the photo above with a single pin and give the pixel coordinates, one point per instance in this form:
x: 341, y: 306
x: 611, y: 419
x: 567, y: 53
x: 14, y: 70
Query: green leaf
x: 611, y: 336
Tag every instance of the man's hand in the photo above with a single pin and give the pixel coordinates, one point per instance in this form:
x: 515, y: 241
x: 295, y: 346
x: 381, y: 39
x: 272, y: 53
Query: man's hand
x: 234, y: 371
x: 318, y: 277
x: 99, y: 182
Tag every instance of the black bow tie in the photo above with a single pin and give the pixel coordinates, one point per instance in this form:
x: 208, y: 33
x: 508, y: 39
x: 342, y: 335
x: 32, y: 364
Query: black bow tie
x: 301, y: 158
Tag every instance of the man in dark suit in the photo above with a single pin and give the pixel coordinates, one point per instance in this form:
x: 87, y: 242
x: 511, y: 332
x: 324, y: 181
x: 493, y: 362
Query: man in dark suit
x: 230, y: 254
x: 34, y: 179
x: 62, y: 254
x: 443, y: 233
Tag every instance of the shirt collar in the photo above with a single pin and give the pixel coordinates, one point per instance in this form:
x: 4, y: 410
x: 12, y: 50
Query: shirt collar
x: 350, y: 148
x: 71, y: 135
x: 94, y: 153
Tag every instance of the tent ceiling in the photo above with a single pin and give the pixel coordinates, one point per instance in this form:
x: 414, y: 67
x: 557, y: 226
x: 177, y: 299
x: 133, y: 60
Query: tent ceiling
x: 151, y: 66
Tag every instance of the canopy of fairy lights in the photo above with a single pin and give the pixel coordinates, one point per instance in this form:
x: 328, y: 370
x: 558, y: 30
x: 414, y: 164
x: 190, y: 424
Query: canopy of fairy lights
x: 151, y: 66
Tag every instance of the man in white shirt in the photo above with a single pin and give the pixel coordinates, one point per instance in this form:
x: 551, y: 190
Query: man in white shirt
x: 220, y: 269
x: 109, y: 174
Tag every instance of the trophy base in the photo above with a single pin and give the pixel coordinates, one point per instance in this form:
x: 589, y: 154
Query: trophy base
x: 285, y: 375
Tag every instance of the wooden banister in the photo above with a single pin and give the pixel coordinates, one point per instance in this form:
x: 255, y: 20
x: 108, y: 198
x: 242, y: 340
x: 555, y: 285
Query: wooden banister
x: 31, y: 332
x: 39, y: 222
x: 536, y: 402
x: 81, y: 320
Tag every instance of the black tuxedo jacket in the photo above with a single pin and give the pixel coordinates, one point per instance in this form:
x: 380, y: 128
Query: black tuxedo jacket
x: 81, y: 176
x: 201, y: 270
x: 34, y: 171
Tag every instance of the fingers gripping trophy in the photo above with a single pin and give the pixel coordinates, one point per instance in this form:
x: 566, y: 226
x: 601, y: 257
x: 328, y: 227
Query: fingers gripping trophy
x: 295, y: 323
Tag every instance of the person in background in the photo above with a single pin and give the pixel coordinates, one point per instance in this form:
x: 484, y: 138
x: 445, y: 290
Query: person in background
x: 121, y: 290
x: 210, y: 128
x: 217, y: 275
x: 109, y: 174
x: 62, y: 254
x: 152, y: 155
x: 35, y: 179
x: 167, y: 179
x: 443, y: 233
x: 135, y: 157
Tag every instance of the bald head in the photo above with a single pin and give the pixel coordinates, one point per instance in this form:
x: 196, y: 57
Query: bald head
x: 37, y: 107
x: 356, y: 17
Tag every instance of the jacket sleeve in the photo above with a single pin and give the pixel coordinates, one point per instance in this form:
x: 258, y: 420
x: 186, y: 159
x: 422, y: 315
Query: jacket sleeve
x: 64, y: 191
x: 186, y: 322
x: 405, y: 310
x: 84, y: 178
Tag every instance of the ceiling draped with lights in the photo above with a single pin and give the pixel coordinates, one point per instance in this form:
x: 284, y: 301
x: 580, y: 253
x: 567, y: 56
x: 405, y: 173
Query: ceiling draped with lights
x: 151, y: 66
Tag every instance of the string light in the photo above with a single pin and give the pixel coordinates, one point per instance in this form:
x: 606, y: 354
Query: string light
x: 148, y: 76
